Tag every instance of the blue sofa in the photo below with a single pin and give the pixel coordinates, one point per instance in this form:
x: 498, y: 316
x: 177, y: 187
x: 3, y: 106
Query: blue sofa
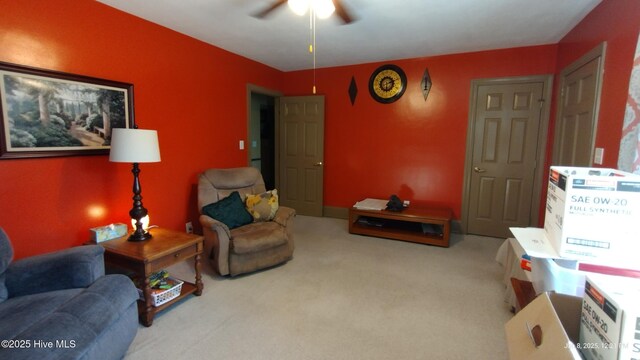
x: 62, y: 306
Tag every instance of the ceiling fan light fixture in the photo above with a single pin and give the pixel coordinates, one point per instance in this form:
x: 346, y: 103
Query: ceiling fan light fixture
x: 299, y: 7
x: 323, y: 8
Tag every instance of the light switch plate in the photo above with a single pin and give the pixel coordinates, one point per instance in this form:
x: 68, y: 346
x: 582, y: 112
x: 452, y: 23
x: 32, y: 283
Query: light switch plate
x: 241, y: 144
x: 598, y: 156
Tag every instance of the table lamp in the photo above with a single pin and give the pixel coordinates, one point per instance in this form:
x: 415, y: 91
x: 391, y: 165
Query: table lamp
x: 135, y: 146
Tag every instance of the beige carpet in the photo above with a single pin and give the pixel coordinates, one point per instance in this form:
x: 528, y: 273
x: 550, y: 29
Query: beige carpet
x: 343, y: 296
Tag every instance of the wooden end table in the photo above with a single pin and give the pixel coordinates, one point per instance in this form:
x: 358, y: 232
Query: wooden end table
x: 144, y: 258
x: 428, y: 225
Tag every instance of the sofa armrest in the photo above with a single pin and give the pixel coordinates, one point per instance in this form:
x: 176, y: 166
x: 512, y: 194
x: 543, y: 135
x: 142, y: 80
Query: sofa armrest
x: 66, y: 269
x: 208, y: 222
x: 217, y: 239
x: 283, y: 215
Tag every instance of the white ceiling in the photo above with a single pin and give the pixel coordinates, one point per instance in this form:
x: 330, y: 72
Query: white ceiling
x: 383, y: 30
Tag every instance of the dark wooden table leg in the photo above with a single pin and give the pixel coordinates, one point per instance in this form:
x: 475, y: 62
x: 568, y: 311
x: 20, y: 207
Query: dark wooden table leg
x: 199, y: 284
x: 146, y: 317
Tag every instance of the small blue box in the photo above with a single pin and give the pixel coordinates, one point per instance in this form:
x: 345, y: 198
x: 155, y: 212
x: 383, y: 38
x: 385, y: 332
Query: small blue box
x: 104, y: 233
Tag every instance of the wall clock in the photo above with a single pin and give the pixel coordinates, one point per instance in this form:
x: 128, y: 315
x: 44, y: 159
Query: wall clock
x: 387, y: 83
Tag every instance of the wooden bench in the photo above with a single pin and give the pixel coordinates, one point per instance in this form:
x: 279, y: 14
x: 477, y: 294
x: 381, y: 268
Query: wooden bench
x: 428, y: 225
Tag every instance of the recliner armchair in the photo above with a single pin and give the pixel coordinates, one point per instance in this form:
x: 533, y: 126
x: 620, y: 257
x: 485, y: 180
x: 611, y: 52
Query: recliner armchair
x: 250, y: 247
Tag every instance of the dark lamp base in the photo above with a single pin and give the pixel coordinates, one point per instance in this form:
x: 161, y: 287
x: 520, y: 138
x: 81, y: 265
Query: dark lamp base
x: 139, y: 236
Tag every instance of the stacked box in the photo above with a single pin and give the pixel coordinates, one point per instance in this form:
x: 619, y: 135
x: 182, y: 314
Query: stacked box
x: 593, y: 215
x: 610, y: 320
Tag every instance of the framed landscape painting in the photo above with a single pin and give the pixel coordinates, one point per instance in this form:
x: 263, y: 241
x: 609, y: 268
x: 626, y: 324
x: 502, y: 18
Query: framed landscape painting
x: 48, y: 113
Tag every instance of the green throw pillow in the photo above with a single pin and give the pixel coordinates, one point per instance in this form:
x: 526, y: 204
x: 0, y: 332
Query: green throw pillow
x: 230, y: 211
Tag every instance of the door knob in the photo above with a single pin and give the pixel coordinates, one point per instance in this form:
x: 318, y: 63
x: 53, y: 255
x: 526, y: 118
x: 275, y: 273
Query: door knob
x: 479, y: 170
x: 319, y: 163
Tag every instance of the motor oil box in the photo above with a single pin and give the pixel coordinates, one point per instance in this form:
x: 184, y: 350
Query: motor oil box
x: 610, y: 319
x: 593, y: 215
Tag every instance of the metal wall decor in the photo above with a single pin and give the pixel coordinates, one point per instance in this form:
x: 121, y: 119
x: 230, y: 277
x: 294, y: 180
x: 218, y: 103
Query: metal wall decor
x: 425, y: 84
x: 353, y: 90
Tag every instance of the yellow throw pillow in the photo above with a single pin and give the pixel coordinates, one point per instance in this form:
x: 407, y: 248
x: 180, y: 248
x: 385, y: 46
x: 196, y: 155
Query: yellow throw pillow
x: 263, y: 206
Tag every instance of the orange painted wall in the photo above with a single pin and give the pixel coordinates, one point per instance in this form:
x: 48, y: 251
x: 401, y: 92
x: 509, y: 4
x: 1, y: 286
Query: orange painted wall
x: 618, y: 23
x: 412, y: 148
x: 194, y: 94
x: 417, y: 149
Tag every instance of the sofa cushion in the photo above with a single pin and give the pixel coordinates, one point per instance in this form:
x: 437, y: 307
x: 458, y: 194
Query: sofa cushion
x: 263, y: 207
x: 257, y: 237
x: 6, y: 254
x: 77, y: 316
x: 230, y: 211
x: 22, y: 312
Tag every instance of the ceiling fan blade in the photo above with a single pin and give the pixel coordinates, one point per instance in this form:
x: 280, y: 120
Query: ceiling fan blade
x: 272, y: 7
x: 342, y: 12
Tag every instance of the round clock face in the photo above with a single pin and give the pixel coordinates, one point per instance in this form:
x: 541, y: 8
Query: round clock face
x: 387, y: 83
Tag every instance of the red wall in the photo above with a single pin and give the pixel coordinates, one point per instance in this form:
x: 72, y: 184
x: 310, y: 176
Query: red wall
x: 48, y: 204
x: 412, y: 148
x: 416, y: 149
x: 617, y: 22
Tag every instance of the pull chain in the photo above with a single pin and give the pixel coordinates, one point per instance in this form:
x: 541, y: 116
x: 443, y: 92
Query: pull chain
x: 312, y: 43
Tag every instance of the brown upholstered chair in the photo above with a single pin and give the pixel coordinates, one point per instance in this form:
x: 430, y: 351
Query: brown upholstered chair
x: 250, y: 247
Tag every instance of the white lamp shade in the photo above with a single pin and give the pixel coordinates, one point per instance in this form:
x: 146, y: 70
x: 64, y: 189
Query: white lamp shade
x: 134, y: 146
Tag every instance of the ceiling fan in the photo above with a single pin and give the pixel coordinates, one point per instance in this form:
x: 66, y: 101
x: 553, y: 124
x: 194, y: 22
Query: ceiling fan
x: 340, y: 10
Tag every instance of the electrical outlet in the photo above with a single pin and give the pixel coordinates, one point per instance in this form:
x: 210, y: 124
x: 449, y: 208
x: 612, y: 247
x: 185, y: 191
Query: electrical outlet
x: 189, y: 227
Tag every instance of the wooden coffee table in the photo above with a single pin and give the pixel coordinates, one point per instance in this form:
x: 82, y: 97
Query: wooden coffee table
x: 426, y: 225
x: 144, y: 258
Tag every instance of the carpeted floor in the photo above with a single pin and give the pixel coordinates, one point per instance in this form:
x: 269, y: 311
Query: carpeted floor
x: 343, y: 296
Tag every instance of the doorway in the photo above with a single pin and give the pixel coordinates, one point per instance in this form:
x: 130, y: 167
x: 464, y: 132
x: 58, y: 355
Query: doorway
x: 301, y: 151
x: 506, y: 141
x: 261, y: 133
x: 262, y: 152
x: 580, y: 87
x: 286, y: 143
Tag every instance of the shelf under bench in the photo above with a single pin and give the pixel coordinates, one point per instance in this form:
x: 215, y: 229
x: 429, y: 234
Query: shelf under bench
x: 426, y: 225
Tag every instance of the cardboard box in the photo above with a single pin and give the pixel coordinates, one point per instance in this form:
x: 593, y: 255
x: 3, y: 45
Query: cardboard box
x: 557, y: 275
x: 550, y: 272
x: 104, y: 233
x: 592, y: 215
x: 545, y: 329
x: 610, y: 322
